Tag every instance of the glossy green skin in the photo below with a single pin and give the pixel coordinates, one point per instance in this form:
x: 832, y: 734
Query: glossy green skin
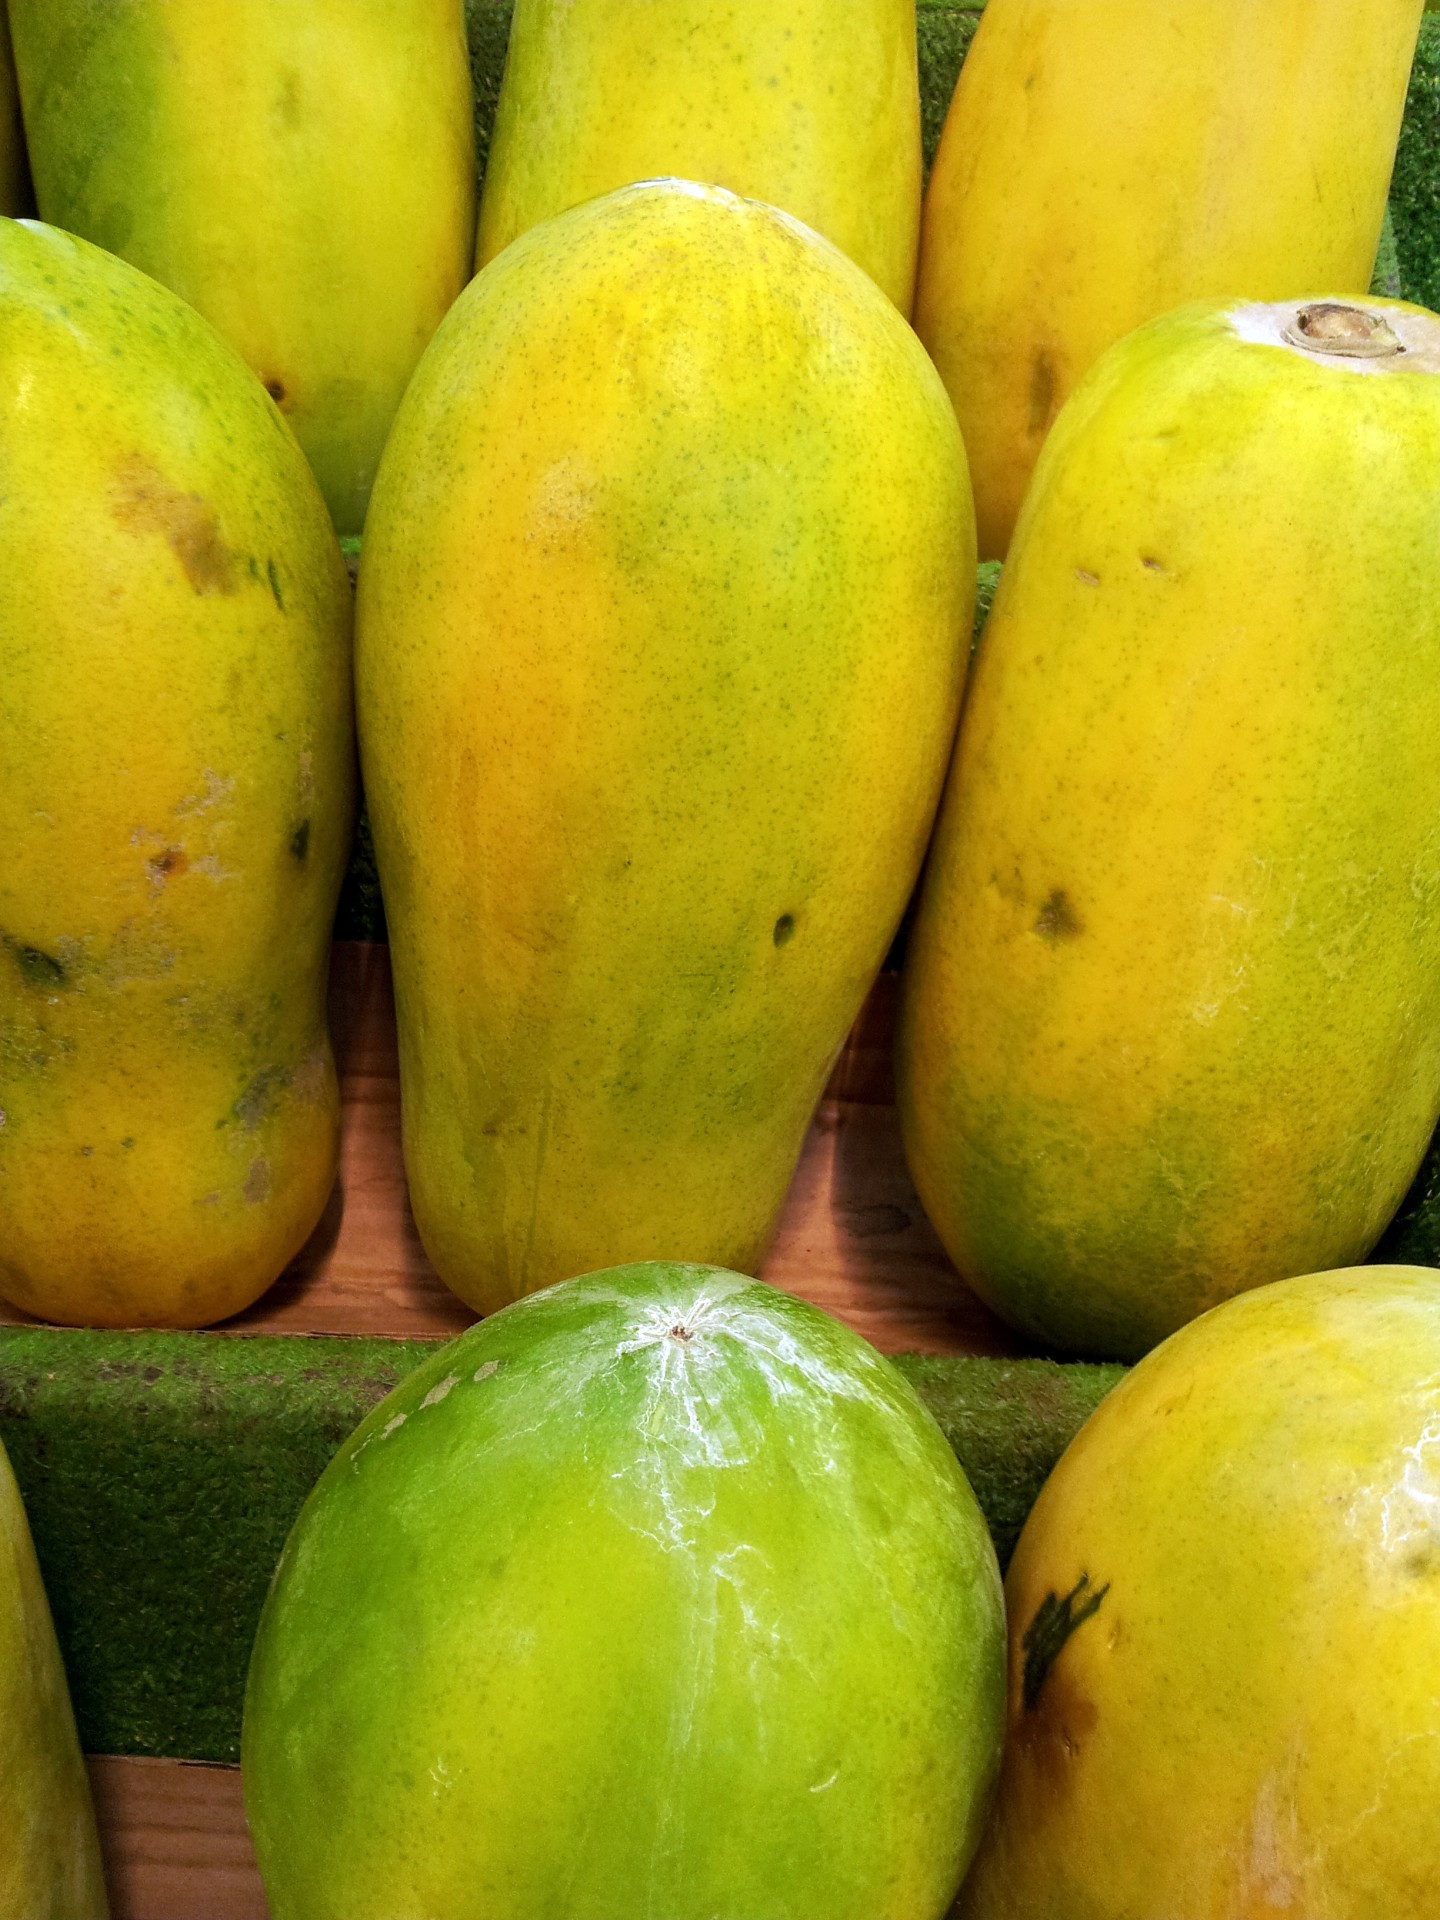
x: 663, y: 619
x: 658, y: 1594
x: 49, y: 1855
x: 176, y: 793
x: 301, y: 171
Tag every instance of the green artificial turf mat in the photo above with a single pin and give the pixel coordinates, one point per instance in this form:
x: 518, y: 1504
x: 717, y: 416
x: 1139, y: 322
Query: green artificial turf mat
x: 162, y: 1472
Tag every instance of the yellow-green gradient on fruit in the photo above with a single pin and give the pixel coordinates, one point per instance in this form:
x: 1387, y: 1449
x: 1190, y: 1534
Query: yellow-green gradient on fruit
x: 1224, y: 1670
x: 1171, y: 1022
x: 302, y: 171
x: 175, y: 798
x: 49, y: 1855
x: 1100, y: 165
x: 663, y: 620
x: 660, y: 1593
x: 811, y: 107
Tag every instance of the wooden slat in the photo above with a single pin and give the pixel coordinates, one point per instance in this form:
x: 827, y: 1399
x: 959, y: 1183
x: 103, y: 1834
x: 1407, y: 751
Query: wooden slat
x: 853, y: 1237
x: 175, y: 1842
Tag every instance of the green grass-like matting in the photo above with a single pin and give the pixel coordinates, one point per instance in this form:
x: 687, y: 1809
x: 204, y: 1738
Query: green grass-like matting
x: 162, y: 1471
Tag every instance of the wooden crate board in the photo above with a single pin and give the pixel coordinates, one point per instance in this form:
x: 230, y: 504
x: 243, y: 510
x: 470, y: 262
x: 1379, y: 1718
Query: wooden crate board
x: 853, y: 1237
x: 175, y: 1841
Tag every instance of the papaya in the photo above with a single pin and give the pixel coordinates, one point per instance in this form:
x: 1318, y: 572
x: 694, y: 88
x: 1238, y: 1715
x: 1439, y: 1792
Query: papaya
x: 304, y: 175
x: 657, y: 1593
x: 1171, y: 1020
x: 49, y: 1852
x: 669, y: 564
x: 1100, y: 166
x: 176, y: 787
x: 790, y: 101
x: 1224, y: 1692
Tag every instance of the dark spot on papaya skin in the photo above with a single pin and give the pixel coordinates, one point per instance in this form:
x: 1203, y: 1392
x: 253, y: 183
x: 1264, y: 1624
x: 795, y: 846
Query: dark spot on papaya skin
x: 164, y: 864
x: 37, y: 968
x: 257, y: 1182
x: 1042, y: 392
x: 784, y: 930
x: 260, y: 1096
x: 1057, y: 918
x: 681, y: 1333
x: 276, y: 390
x: 127, y: 1144
x: 274, y: 579
x: 1153, y: 566
x: 1055, y: 1620
x: 147, y: 503
x: 1086, y: 578
x: 300, y: 840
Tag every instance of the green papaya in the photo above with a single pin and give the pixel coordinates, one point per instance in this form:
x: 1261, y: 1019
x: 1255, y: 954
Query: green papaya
x: 663, y: 617
x: 176, y: 788
x: 49, y: 1853
x: 15, y: 196
x: 814, y: 109
x: 1171, y: 1022
x: 303, y: 174
x: 659, y: 1593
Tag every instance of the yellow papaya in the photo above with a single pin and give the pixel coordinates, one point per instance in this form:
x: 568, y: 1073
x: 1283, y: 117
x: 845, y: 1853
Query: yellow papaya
x: 1171, y: 1022
x: 662, y: 625
x: 304, y: 175
x: 175, y: 797
x: 1101, y: 165
x: 1224, y: 1698
x: 49, y: 1853
x: 790, y: 101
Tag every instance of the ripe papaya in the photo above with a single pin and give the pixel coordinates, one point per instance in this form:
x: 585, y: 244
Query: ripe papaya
x: 790, y: 101
x: 663, y: 619
x: 175, y: 799
x: 1224, y: 1692
x: 1171, y: 1022
x: 304, y: 175
x: 660, y: 1593
x: 49, y: 1853
x: 1101, y: 165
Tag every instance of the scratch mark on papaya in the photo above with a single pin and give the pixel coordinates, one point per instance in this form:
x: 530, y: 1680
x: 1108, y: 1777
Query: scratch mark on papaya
x: 147, y: 503
x: 1055, y: 1620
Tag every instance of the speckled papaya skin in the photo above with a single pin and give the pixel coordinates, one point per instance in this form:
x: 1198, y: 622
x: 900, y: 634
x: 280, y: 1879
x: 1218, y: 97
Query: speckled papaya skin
x: 658, y: 1593
x: 1102, y: 165
x: 662, y: 624
x: 176, y: 789
x: 813, y: 109
x: 49, y: 1855
x: 1224, y: 1697
x: 1171, y: 1020
x: 303, y: 174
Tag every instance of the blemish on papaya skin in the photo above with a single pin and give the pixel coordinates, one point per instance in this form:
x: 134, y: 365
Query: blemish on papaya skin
x: 147, y: 503
x: 1152, y: 566
x: 37, y: 968
x: 1042, y: 392
x: 300, y: 840
x: 276, y: 390
x: 274, y: 578
x: 162, y: 865
x: 1056, y: 1619
x: 1086, y: 578
x: 1057, y: 919
x: 784, y: 930
x: 258, y: 1099
x: 257, y: 1183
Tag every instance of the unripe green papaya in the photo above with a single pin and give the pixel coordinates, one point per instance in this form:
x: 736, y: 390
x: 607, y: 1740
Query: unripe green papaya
x: 15, y: 197
x: 175, y: 798
x: 1102, y: 164
x: 1171, y: 1020
x: 663, y: 619
x: 1224, y: 1669
x: 812, y: 108
x: 49, y: 1854
x: 660, y: 1593
x: 303, y: 173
